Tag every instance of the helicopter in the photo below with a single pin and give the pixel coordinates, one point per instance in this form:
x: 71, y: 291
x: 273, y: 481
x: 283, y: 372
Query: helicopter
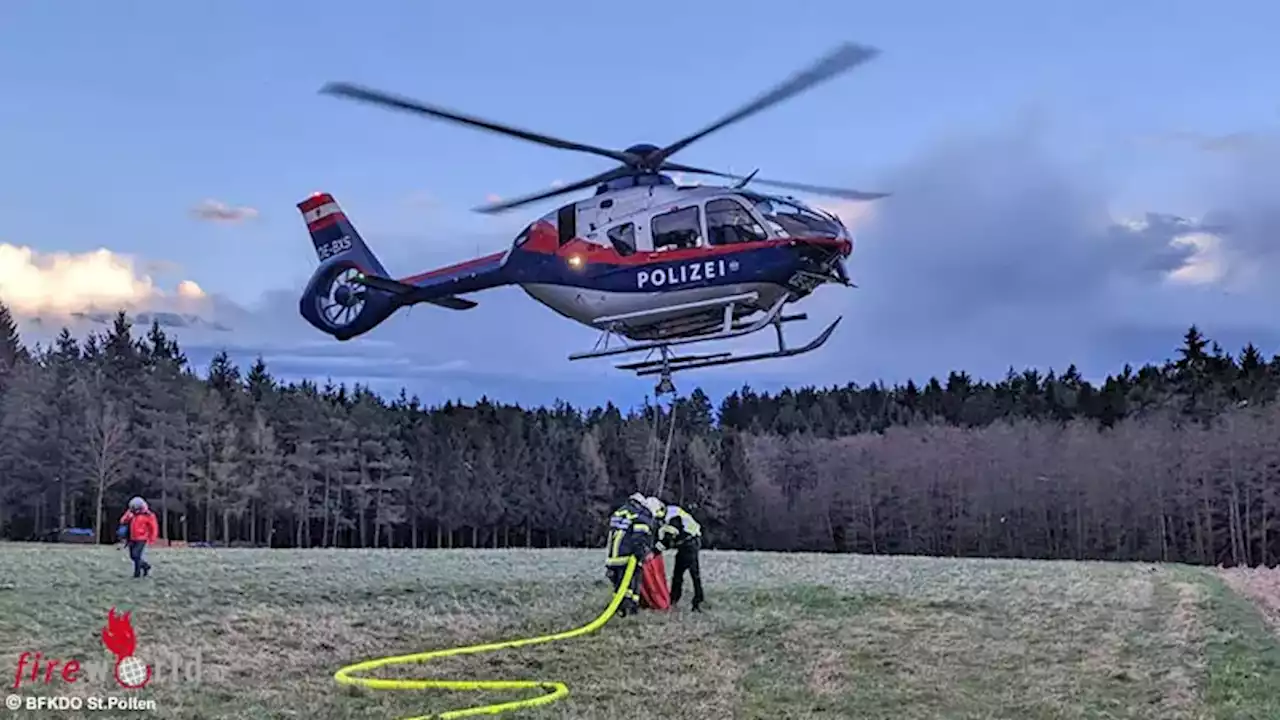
x: 646, y: 262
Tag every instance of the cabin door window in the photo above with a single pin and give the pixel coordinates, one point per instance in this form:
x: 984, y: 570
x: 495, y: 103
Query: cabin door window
x: 623, y: 238
x: 677, y: 230
x: 729, y: 222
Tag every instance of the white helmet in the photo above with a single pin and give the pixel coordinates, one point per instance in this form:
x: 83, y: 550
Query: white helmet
x: 655, y: 506
x: 637, y: 498
x: 137, y: 503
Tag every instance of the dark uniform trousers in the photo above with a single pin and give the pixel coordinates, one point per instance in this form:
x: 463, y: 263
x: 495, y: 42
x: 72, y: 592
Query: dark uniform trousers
x: 624, y: 545
x: 687, y: 559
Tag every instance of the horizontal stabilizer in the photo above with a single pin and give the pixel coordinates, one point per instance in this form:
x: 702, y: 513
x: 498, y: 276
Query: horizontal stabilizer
x: 395, y: 287
x: 402, y: 290
x: 453, y: 302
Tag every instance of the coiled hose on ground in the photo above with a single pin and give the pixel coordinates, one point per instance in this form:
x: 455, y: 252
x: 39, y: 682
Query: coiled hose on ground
x: 552, y: 690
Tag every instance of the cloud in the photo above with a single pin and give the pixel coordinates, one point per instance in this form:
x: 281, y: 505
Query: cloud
x: 993, y: 252
x: 188, y: 289
x: 854, y: 214
x: 1233, y: 142
x: 1205, y: 265
x: 34, y: 283
x: 220, y: 212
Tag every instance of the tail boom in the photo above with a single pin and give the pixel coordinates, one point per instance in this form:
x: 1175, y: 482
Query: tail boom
x: 482, y: 273
x: 351, y: 292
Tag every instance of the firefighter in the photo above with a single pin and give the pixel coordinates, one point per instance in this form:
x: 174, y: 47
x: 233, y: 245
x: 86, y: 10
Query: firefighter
x: 631, y: 530
x: 139, y: 524
x: 677, y: 529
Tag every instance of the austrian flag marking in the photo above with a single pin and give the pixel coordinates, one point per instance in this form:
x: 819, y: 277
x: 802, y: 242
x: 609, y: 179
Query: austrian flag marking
x: 324, y: 211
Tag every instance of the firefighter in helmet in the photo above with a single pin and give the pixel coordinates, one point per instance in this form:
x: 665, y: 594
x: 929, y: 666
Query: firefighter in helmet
x: 631, y: 534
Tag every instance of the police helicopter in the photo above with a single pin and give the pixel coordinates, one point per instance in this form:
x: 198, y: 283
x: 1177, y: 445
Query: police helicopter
x: 647, y: 262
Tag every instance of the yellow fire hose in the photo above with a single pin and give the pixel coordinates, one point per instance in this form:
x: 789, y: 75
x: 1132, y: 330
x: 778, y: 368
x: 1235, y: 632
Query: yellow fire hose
x: 552, y: 690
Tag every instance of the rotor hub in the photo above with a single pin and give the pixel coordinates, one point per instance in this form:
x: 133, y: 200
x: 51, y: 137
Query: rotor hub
x: 345, y: 296
x: 643, y: 149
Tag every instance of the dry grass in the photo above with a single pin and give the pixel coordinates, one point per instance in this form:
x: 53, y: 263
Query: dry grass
x: 785, y: 636
x: 1261, y: 585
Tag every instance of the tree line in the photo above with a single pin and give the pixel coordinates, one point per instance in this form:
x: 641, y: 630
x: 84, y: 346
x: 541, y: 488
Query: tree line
x: 1173, y: 462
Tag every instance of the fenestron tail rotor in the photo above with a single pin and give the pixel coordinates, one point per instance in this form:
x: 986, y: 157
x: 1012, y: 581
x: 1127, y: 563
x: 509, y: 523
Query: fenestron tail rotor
x: 643, y: 159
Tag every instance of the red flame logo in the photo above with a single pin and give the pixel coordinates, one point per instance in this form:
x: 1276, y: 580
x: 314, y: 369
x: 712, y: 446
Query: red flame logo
x: 118, y: 636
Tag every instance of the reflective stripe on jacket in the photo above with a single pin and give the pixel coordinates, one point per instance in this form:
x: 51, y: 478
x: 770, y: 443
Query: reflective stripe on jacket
x: 678, y: 527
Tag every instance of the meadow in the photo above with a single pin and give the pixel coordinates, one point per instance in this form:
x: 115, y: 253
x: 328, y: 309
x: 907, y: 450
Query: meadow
x: 783, y: 635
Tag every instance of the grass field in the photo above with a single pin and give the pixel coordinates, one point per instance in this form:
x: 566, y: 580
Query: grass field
x: 785, y: 636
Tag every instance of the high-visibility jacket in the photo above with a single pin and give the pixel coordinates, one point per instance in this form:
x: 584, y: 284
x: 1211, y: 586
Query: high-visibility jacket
x: 631, y: 533
x: 678, y: 527
x: 632, y: 517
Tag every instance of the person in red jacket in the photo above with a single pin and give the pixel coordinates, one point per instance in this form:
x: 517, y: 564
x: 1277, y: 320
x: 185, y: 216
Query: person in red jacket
x: 140, y: 530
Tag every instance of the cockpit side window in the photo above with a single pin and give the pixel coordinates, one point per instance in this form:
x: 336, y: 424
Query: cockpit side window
x: 623, y: 238
x: 677, y: 230
x: 729, y: 222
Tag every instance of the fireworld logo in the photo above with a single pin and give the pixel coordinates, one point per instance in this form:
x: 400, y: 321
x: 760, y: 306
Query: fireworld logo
x: 129, y: 671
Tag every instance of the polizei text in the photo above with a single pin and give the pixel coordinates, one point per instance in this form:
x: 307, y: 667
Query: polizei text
x: 692, y: 272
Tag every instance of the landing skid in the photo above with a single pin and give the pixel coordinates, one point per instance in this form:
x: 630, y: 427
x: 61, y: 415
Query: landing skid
x: 668, y: 363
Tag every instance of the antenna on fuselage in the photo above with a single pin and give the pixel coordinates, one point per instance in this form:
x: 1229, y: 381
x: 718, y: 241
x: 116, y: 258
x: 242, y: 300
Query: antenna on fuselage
x: 743, y: 182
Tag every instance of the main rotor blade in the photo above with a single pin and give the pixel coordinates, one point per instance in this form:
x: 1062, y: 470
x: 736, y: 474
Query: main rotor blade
x: 801, y: 187
x: 840, y: 60
x: 845, y: 193
x: 378, y: 97
x: 553, y: 192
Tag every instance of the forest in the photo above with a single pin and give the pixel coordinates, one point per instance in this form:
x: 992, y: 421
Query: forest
x: 1178, y: 462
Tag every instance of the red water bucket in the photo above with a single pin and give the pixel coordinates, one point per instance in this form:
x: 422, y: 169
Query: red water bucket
x: 654, y: 593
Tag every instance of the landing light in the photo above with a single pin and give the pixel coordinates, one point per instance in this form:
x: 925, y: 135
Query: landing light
x: 575, y: 261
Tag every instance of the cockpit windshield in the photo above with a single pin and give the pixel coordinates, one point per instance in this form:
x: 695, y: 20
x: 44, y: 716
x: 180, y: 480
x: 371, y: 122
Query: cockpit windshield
x: 523, y: 236
x: 790, y: 219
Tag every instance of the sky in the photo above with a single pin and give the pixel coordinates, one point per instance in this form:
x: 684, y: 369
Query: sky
x: 153, y: 154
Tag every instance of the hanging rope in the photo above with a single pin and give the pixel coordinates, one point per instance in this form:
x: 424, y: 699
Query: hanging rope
x: 664, y: 387
x: 666, y: 454
x: 651, y: 446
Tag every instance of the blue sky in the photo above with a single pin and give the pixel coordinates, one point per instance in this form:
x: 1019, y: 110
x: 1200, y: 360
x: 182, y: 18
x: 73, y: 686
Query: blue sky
x: 120, y: 118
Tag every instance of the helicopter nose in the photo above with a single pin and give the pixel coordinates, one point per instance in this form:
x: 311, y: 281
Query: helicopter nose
x: 831, y: 247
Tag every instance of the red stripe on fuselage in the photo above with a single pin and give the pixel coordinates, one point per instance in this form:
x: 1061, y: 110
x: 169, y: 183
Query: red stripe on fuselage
x: 314, y: 202
x: 325, y: 221
x: 593, y: 253
x: 451, y: 269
